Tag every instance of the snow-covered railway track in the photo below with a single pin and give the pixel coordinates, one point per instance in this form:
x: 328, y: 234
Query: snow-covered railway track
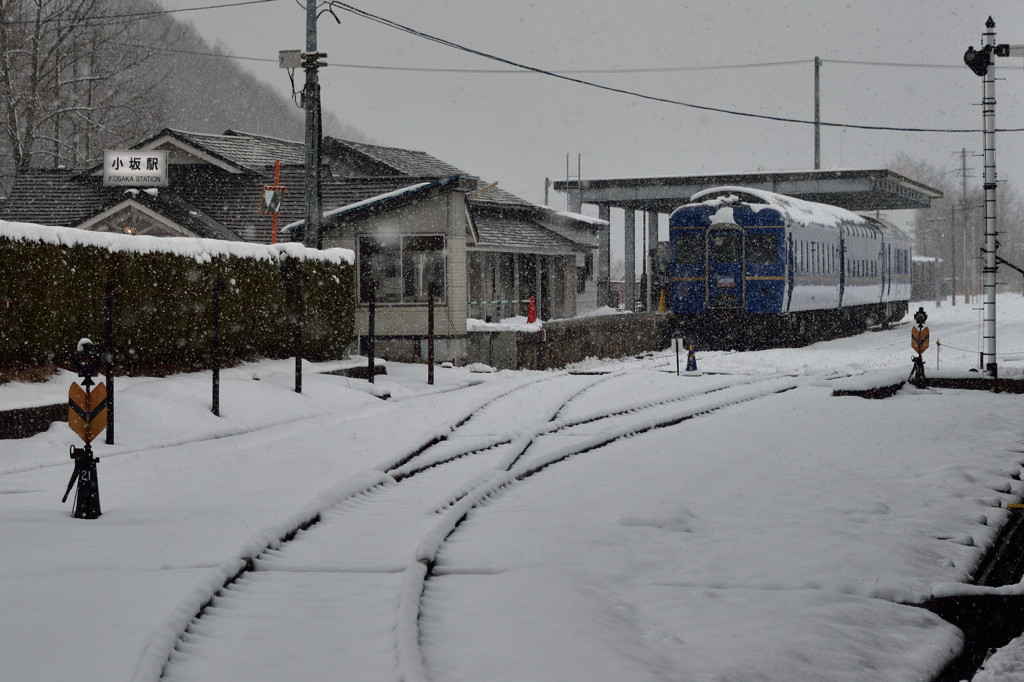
x: 359, y: 557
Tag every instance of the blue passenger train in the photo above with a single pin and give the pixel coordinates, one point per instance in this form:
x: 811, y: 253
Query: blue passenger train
x: 753, y: 268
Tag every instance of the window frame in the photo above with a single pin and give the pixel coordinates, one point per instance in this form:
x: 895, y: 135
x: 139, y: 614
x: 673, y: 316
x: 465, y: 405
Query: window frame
x: 397, y: 266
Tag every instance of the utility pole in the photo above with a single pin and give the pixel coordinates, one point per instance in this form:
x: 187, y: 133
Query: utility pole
x: 952, y: 252
x: 817, y: 113
x: 312, y: 235
x: 963, y: 213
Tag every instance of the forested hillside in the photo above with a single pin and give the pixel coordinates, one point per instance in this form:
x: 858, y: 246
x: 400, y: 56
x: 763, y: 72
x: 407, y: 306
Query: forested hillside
x: 81, y: 76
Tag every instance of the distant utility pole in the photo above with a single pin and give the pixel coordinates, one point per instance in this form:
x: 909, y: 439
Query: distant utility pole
x: 312, y: 235
x: 982, y: 63
x: 963, y: 232
x: 817, y: 113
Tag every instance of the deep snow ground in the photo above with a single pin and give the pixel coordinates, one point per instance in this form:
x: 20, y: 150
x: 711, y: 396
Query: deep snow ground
x: 774, y: 538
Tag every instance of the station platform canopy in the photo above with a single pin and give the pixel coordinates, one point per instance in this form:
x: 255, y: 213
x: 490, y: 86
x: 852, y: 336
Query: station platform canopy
x: 855, y: 190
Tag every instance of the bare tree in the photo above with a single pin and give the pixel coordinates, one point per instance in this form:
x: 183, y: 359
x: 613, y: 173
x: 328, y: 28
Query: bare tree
x: 952, y: 229
x: 77, y: 74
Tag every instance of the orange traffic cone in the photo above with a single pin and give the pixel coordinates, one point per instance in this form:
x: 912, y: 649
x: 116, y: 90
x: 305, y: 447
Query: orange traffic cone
x: 531, y: 312
x: 662, y: 308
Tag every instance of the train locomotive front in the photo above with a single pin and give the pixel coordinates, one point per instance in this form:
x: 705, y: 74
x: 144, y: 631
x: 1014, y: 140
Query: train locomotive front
x: 748, y: 268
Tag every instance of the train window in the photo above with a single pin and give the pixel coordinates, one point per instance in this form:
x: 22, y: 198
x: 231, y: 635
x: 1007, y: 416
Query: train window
x: 762, y: 248
x: 690, y: 248
x: 726, y: 248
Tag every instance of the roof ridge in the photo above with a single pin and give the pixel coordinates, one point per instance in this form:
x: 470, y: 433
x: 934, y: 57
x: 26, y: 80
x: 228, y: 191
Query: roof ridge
x: 230, y: 132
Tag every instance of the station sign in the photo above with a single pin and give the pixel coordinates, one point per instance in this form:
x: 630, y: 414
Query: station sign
x: 135, y: 168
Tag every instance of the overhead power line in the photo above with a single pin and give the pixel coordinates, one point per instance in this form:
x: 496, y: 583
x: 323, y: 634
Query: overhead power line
x: 566, y: 74
x: 198, y: 53
x: 132, y: 15
x: 664, y: 100
x: 520, y: 71
x: 636, y: 70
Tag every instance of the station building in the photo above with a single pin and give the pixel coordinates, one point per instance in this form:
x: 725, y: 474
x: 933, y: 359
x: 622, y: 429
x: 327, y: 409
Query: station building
x: 411, y: 219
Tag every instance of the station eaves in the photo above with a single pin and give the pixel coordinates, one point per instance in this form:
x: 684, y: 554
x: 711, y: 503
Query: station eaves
x: 855, y: 190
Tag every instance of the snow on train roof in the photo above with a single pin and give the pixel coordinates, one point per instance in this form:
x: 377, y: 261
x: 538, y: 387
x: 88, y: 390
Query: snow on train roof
x: 807, y: 212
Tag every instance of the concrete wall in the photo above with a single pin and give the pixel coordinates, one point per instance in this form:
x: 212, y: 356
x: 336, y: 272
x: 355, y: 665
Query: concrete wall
x: 563, y: 342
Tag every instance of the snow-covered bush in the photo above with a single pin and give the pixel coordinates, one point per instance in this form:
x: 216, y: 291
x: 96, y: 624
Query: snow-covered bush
x: 53, y: 283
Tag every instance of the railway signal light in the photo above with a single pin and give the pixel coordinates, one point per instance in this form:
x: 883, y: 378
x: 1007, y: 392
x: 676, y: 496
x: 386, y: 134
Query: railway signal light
x: 978, y: 60
x: 920, y: 317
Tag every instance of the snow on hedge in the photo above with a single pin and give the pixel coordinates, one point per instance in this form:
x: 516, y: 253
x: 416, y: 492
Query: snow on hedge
x: 201, y: 250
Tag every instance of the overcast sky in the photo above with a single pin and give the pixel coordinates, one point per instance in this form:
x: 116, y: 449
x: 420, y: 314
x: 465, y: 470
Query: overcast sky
x: 517, y: 128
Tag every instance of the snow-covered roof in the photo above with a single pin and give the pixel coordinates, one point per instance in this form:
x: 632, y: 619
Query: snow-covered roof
x: 590, y: 220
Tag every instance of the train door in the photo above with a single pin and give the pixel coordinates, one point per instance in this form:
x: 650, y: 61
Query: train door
x: 888, y: 269
x: 790, y: 270
x: 725, y: 285
x: 842, y: 265
x: 884, y: 273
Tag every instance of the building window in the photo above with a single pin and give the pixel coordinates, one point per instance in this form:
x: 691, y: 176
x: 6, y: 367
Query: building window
x: 585, y: 273
x: 402, y: 267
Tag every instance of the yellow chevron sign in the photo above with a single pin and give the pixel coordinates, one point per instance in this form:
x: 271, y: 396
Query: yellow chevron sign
x: 87, y: 413
x: 919, y: 340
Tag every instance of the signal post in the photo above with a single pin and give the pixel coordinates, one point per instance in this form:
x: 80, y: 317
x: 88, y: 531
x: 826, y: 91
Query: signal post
x: 87, y: 417
x: 919, y: 341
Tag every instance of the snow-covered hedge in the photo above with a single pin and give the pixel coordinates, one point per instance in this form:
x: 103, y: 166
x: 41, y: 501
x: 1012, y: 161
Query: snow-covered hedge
x: 53, y: 281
